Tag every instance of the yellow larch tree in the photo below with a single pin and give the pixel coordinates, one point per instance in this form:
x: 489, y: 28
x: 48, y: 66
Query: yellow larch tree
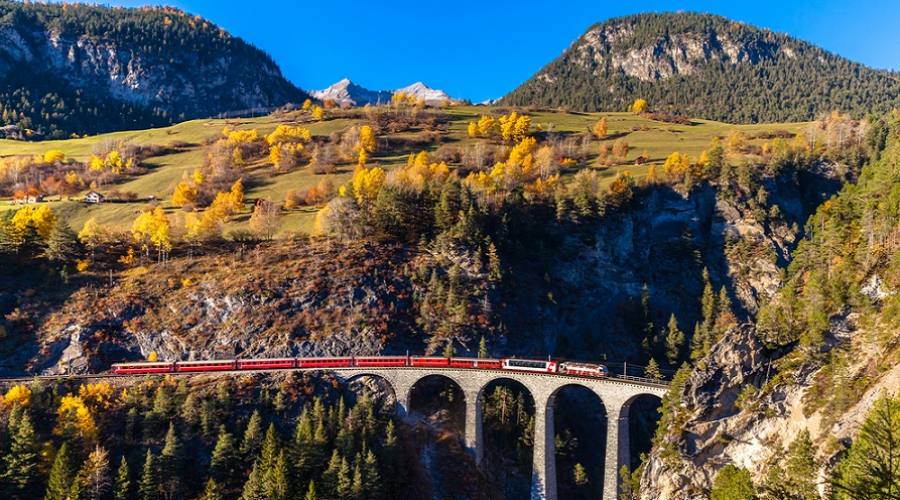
x: 472, y: 130
x: 599, y: 129
x: 74, y: 419
x: 365, y: 144
x: 638, y: 106
x: 487, y: 126
x: 17, y: 395
x: 152, y: 227
x: 185, y: 193
x: 367, y: 183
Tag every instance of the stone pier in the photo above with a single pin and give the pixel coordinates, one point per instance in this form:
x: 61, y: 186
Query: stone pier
x: 615, y: 394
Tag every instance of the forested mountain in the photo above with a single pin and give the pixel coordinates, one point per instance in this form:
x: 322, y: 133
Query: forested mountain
x: 76, y: 69
x: 706, y: 66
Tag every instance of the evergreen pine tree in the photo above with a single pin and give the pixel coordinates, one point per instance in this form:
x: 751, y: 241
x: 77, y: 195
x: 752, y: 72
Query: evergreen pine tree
x: 482, y: 348
x: 871, y: 468
x: 356, y: 483
x: 170, y: 463
x: 674, y: 340
x: 22, y: 459
x: 732, y: 483
x: 301, y: 449
x: 372, y: 475
x: 191, y: 410
x: 329, y: 477
x: 311, y: 492
x: 701, y: 340
x: 212, y: 491
x: 449, y: 351
x: 62, y: 243
x: 281, y: 480
x: 59, y: 483
x: 123, y: 482
x: 223, y: 459
x: 800, y: 468
x: 148, y: 487
x: 344, y: 482
x: 579, y: 475
x: 253, y: 436
x: 254, y: 489
x: 268, y: 452
x: 652, y: 370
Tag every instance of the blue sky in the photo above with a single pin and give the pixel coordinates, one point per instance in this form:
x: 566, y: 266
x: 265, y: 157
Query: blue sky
x: 483, y: 49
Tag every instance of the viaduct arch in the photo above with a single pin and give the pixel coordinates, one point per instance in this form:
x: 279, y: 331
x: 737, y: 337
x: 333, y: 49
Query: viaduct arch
x: 616, y: 396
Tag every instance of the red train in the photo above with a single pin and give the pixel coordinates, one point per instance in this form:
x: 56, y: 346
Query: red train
x: 514, y: 364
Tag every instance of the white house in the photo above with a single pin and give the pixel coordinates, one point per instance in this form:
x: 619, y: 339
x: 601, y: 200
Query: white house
x: 94, y: 197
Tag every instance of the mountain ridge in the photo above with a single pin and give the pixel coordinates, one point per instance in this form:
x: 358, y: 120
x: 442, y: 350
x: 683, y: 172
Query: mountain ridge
x: 705, y: 66
x: 79, y: 69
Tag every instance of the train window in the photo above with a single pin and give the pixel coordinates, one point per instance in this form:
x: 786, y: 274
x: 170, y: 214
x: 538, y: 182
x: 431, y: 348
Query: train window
x: 524, y: 363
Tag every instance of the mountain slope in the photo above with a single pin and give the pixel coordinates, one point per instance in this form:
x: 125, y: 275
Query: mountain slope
x: 705, y: 66
x: 81, y: 69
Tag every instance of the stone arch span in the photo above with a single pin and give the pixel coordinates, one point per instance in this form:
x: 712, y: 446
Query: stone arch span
x: 578, y: 408
x: 368, y: 380
x: 436, y: 393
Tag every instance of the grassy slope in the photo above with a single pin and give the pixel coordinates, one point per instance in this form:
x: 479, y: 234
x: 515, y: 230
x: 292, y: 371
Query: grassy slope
x: 643, y: 135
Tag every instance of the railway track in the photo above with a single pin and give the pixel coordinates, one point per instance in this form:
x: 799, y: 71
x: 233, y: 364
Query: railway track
x: 623, y: 379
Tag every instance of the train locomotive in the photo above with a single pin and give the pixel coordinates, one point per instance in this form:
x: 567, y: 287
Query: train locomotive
x: 229, y: 365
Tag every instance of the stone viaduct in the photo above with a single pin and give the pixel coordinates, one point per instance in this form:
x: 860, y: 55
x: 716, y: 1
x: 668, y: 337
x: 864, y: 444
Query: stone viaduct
x: 615, y: 394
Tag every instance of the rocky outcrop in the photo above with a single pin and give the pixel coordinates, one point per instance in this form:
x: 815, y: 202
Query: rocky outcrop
x: 288, y: 300
x: 752, y: 431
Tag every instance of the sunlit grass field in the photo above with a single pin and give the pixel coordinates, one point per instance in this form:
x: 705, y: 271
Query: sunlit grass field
x: 652, y: 139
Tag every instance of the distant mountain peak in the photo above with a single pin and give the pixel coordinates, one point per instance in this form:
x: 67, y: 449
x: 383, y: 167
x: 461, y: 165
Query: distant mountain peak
x: 422, y: 91
x: 345, y: 92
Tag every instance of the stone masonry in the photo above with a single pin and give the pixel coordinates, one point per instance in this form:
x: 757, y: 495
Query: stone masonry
x: 615, y: 394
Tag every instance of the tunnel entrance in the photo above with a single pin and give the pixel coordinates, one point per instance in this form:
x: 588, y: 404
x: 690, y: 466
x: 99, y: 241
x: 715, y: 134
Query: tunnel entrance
x: 580, y: 424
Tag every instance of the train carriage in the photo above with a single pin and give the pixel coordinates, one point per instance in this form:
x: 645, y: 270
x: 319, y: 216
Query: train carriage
x: 489, y: 364
x: 324, y: 362
x: 429, y: 361
x: 380, y: 361
x: 151, y: 367
x: 267, y: 364
x: 530, y: 365
x: 464, y: 362
x: 206, y: 366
